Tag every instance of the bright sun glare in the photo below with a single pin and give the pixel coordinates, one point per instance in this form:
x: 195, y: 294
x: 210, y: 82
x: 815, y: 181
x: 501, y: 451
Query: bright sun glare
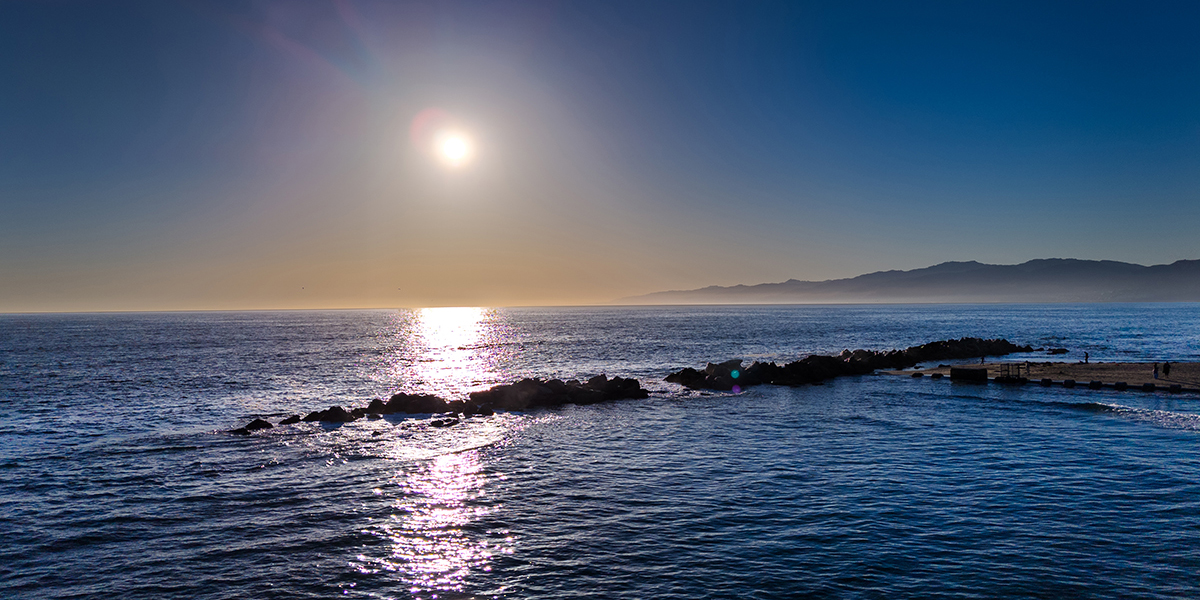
x: 454, y: 148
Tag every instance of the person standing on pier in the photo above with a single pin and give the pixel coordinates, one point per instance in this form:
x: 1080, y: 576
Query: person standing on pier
x: 1156, y: 370
x: 1167, y: 369
x: 1085, y: 358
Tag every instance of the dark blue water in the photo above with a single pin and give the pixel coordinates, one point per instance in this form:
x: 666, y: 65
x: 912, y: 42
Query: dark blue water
x: 116, y: 479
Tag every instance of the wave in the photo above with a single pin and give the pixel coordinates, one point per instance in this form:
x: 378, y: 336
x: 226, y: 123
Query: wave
x: 1161, y: 418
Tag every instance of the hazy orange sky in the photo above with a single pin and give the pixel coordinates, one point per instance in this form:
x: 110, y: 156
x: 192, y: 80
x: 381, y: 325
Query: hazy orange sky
x: 246, y: 155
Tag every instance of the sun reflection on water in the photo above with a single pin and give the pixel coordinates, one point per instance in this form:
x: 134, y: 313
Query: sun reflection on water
x: 429, y: 541
x: 434, y: 540
x: 446, y: 351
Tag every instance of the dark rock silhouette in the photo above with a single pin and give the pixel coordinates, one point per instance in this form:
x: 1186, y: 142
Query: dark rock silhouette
x: 334, y: 414
x: 530, y: 394
x: 535, y: 393
x: 815, y: 368
x: 523, y: 395
x: 254, y: 425
x: 412, y: 404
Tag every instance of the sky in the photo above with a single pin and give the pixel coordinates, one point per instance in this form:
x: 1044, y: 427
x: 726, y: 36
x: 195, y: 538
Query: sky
x: 224, y: 155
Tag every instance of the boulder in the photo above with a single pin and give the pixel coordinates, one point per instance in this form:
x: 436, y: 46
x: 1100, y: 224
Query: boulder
x: 688, y: 377
x: 257, y: 424
x: 334, y: 414
x: 413, y: 404
x: 254, y: 425
x: 290, y: 420
x: 337, y: 414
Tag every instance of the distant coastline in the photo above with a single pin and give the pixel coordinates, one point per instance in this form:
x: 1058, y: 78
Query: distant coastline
x: 1042, y: 280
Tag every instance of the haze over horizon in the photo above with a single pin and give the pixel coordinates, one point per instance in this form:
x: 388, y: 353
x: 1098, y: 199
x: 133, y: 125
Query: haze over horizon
x: 351, y: 153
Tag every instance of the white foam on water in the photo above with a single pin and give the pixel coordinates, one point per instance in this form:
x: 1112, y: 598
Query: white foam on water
x: 1161, y: 418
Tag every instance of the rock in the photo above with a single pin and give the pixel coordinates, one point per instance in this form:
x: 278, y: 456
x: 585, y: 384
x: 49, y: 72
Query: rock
x: 688, y: 377
x: 413, y: 404
x: 254, y: 425
x: 1056, y: 351
x: 522, y: 395
x: 337, y: 414
x: 721, y: 376
x: 257, y: 424
x: 535, y: 393
x: 334, y: 414
x: 517, y: 396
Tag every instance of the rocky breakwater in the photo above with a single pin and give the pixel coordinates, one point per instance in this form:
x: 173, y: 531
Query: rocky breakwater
x: 816, y: 368
x: 527, y: 394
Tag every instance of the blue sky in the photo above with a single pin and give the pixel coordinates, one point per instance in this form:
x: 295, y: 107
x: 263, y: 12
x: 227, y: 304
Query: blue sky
x: 162, y: 155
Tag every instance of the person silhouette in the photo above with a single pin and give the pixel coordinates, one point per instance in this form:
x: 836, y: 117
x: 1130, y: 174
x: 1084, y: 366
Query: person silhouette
x: 1156, y: 370
x: 1167, y: 369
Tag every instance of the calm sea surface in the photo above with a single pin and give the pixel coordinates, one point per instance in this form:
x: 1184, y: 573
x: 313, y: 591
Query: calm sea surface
x: 118, y: 481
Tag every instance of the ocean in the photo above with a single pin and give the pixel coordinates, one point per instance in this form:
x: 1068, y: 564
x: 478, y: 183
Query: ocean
x: 118, y: 477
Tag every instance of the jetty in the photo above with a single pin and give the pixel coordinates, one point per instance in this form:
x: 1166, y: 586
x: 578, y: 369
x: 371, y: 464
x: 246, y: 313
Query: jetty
x: 532, y: 394
x: 1183, y: 376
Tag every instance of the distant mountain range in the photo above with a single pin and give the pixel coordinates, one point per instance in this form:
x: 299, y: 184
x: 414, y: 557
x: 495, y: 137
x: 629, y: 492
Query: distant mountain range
x: 1043, y: 280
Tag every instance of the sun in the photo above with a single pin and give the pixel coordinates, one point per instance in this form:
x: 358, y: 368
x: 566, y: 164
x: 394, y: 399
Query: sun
x: 453, y: 148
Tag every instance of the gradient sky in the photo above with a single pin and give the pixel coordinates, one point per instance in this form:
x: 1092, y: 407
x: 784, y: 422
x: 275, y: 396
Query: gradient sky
x: 225, y: 155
